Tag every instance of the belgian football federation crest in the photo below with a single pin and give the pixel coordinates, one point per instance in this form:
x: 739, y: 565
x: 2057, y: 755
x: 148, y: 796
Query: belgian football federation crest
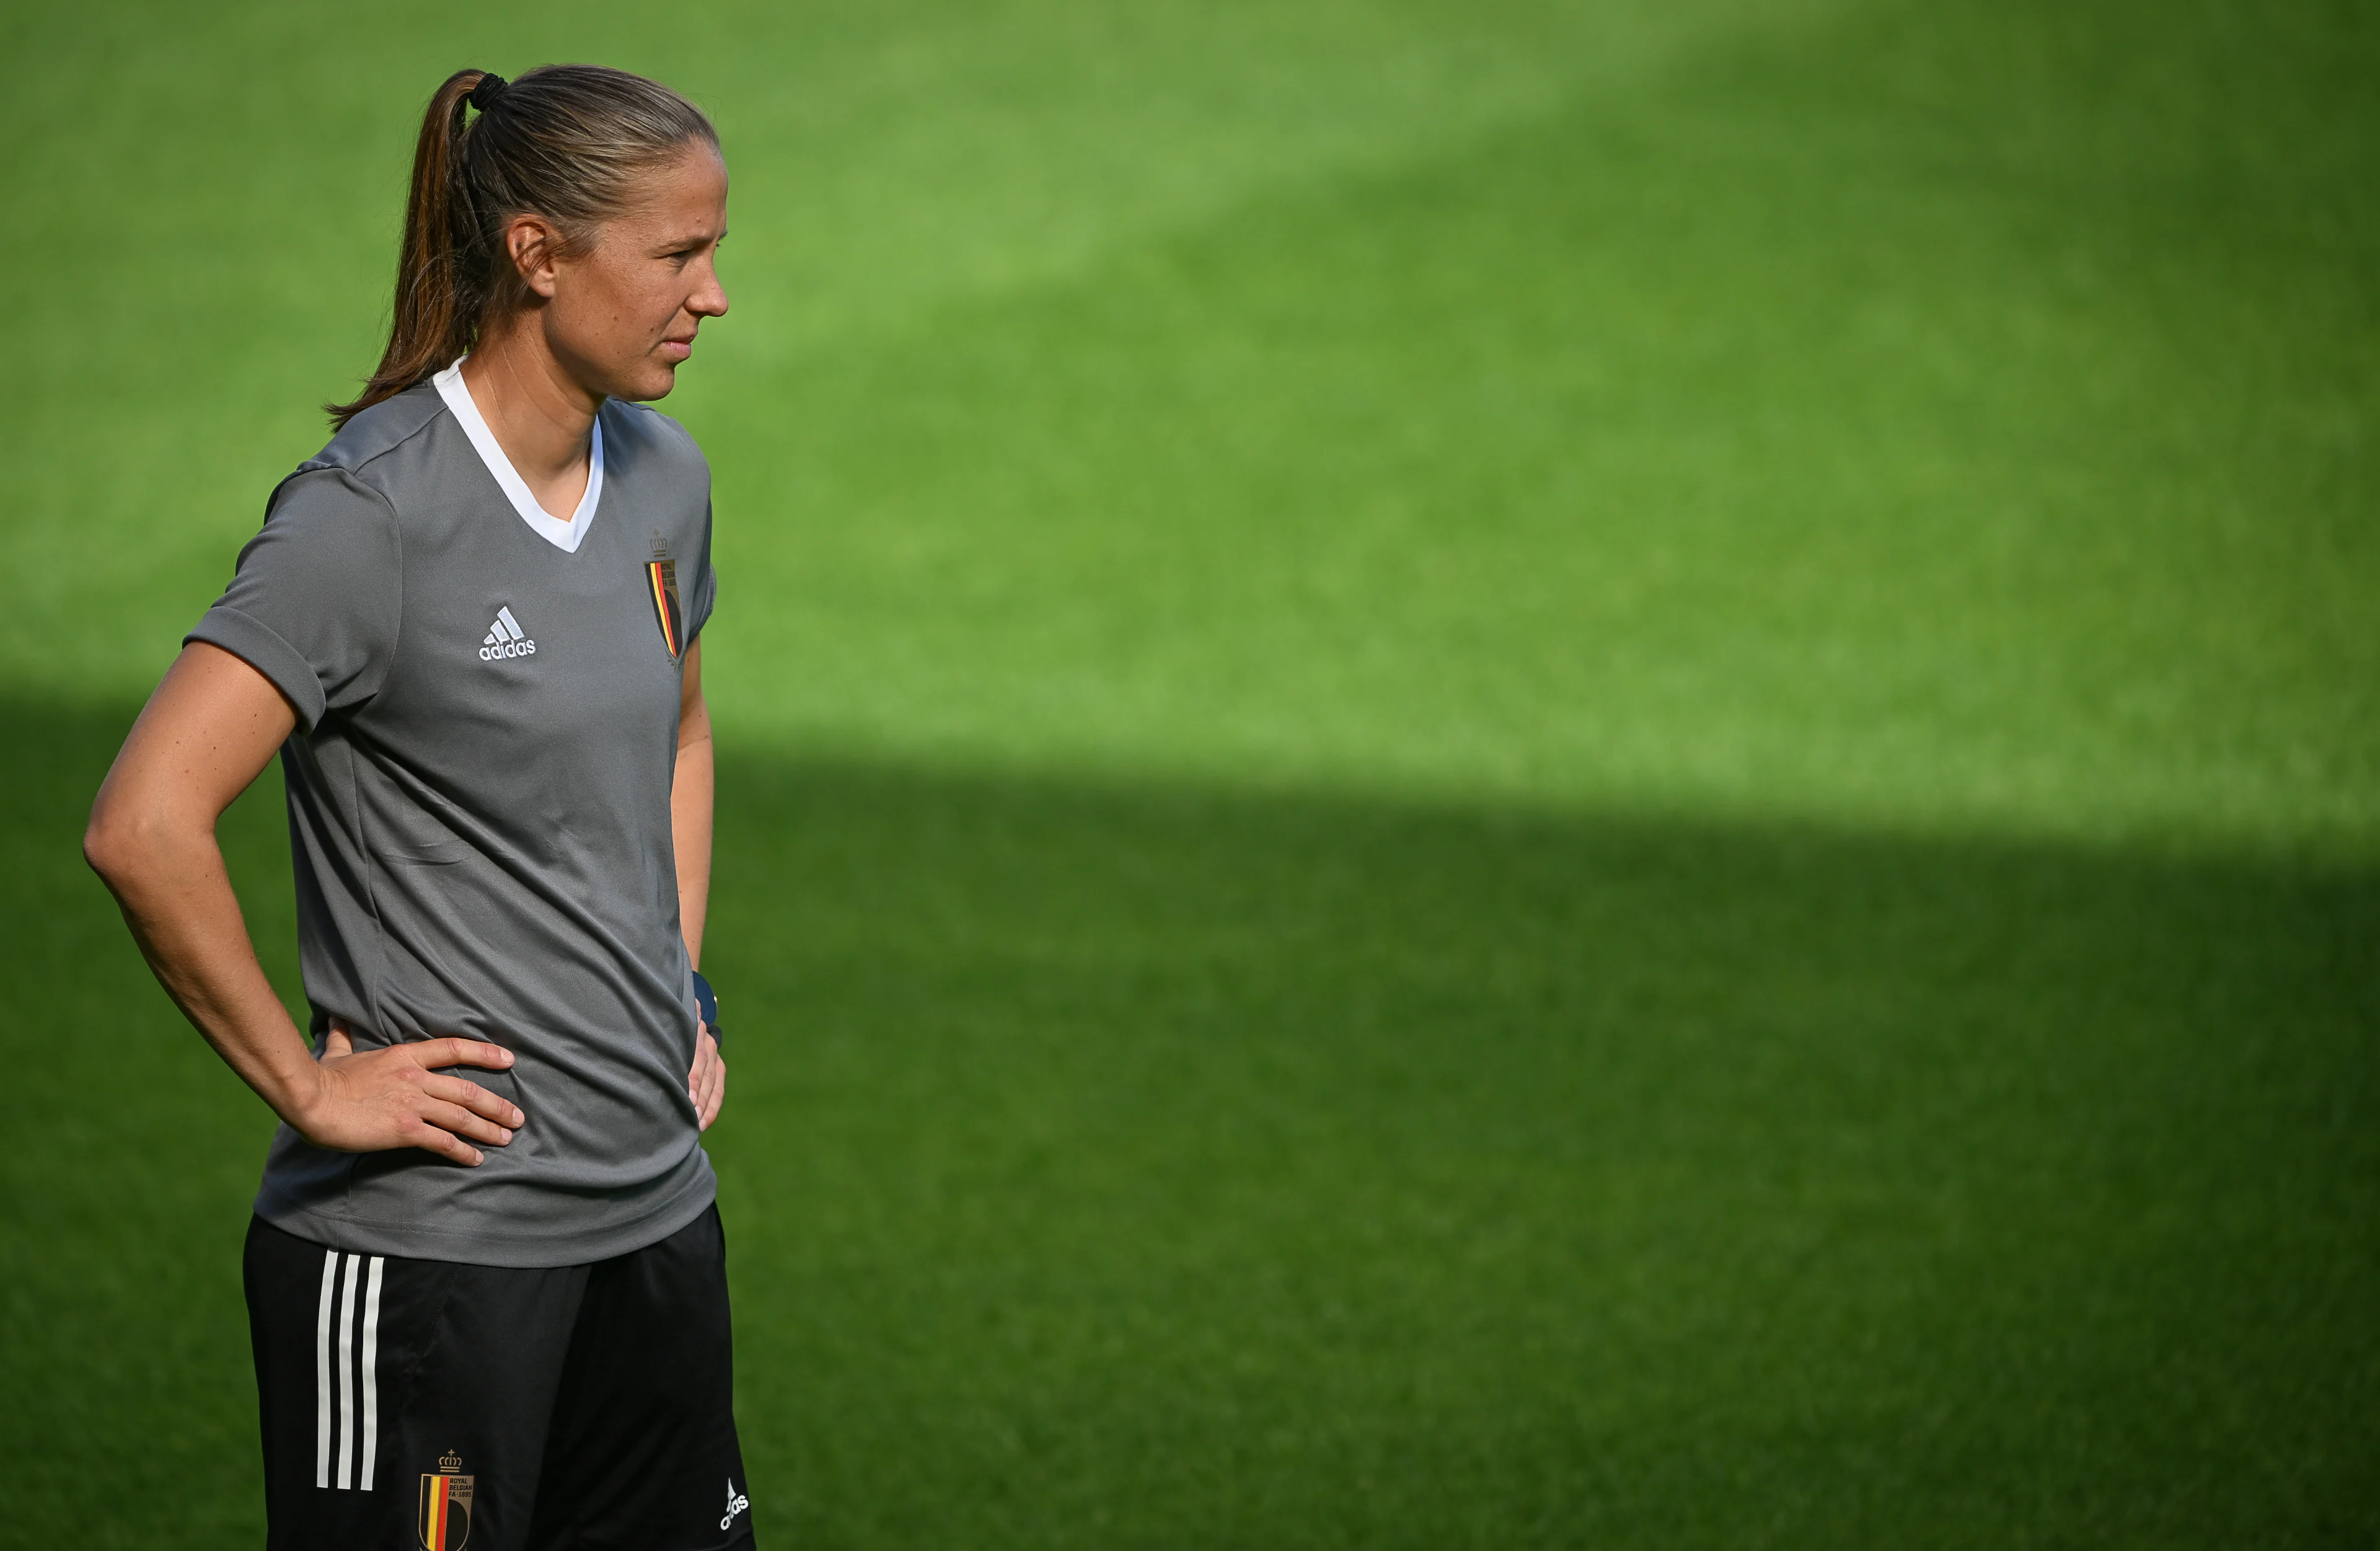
x: 446, y: 1505
x: 661, y: 580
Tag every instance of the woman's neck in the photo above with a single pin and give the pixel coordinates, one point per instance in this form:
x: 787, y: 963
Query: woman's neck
x: 538, y: 413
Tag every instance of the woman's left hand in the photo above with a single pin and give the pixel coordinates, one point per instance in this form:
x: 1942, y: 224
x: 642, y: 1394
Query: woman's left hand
x: 707, y: 1083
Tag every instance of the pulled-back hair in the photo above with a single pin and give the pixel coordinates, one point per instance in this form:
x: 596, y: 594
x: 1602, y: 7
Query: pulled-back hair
x: 564, y: 141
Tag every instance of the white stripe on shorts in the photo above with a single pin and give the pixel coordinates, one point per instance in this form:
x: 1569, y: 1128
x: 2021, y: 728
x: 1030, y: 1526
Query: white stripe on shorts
x: 323, y: 1372
x: 348, y: 1369
x: 371, y: 1374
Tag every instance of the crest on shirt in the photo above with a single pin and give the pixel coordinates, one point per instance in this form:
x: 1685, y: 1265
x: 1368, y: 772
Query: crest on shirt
x: 660, y: 581
x: 445, y: 1522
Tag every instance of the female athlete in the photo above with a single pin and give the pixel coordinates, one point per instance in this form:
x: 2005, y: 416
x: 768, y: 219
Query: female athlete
x: 489, y: 1307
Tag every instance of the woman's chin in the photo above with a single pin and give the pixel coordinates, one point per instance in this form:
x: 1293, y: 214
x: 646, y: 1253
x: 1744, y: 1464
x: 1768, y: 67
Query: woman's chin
x: 652, y: 380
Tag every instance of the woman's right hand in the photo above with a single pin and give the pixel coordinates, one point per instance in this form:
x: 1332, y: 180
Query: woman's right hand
x: 398, y: 1096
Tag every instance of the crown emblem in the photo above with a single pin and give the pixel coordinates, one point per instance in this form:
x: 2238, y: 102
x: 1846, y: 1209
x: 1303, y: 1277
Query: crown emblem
x: 445, y: 1521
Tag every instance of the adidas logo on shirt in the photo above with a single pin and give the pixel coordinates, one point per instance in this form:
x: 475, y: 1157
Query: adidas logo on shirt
x: 507, y: 639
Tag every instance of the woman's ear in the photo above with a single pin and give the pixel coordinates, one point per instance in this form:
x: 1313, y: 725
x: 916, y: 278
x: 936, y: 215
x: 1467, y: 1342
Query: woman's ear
x: 534, y: 245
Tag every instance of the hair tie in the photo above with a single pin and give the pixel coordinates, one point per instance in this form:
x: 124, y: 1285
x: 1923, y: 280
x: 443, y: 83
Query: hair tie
x: 491, y: 86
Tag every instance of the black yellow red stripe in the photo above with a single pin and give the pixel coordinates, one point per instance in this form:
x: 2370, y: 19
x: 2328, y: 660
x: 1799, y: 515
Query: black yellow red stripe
x: 664, y: 607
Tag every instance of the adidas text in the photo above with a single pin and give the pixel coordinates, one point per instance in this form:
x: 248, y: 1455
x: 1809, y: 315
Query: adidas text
x: 507, y: 639
x: 737, y: 1503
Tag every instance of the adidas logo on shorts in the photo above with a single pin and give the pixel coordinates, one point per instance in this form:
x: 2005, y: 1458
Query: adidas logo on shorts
x: 507, y: 639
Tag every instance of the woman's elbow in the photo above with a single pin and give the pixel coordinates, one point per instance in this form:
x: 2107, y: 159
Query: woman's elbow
x: 118, y: 839
x: 103, y: 846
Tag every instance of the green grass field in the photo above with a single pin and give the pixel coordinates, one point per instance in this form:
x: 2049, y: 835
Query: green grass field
x: 1495, y: 775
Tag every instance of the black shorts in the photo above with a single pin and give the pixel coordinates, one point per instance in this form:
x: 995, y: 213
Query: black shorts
x: 412, y: 1404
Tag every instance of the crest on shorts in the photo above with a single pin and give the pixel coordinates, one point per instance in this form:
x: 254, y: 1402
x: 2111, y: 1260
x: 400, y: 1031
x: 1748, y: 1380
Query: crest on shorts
x: 660, y: 581
x: 445, y: 1522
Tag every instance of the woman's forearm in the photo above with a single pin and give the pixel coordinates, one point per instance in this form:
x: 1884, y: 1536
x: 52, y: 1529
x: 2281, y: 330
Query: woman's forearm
x: 201, y: 739
x: 690, y: 804
x: 176, y: 896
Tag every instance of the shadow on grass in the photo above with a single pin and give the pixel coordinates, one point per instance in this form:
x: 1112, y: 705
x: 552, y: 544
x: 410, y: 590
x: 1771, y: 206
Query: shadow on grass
x: 1115, y: 1166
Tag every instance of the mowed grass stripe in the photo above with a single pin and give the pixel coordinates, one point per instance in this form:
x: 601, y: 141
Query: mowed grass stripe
x: 1902, y: 424
x: 888, y: 158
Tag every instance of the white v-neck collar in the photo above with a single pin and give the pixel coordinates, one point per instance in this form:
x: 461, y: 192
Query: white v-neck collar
x: 564, y: 536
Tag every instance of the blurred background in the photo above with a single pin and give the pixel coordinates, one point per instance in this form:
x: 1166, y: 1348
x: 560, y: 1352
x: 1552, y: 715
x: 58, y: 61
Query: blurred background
x: 1495, y: 773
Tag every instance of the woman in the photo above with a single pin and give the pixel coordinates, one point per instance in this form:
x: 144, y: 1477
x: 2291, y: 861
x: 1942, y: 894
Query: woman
x: 491, y: 1306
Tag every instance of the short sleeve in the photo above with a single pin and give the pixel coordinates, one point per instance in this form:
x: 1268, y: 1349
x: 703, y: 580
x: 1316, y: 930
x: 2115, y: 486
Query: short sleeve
x: 315, y: 603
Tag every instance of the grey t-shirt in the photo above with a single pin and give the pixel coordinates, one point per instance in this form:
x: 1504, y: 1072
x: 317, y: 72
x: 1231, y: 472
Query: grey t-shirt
x: 479, y: 815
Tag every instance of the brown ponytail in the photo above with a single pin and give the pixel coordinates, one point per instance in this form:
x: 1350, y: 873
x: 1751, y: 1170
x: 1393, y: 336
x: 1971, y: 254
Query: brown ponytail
x: 564, y: 141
